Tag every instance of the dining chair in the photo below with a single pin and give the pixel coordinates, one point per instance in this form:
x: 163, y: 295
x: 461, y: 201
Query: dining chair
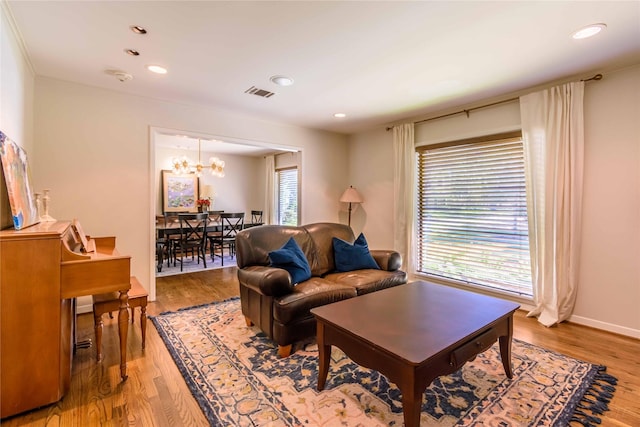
x: 256, y: 217
x: 231, y: 223
x: 214, y: 216
x: 193, y: 237
x: 161, y: 242
x: 171, y: 221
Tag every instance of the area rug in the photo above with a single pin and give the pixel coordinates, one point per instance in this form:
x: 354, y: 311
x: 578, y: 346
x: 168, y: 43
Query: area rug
x: 237, y: 378
x: 190, y: 266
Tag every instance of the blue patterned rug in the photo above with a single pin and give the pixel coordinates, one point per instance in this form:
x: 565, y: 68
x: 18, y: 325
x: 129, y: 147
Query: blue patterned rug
x: 237, y: 378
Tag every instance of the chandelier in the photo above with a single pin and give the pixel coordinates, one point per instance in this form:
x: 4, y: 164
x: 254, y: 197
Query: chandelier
x: 181, y: 165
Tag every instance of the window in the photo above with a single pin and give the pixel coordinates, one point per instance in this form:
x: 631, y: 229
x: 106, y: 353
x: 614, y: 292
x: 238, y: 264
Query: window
x: 287, y: 182
x: 472, y: 213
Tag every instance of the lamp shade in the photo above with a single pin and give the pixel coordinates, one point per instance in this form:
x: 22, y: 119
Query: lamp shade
x: 350, y: 195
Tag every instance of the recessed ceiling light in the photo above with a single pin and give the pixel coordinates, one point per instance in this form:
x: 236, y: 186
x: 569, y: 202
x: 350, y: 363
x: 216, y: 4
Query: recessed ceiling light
x: 588, y: 31
x: 138, y: 29
x: 282, y: 80
x: 132, y: 52
x: 157, y: 69
x: 340, y: 115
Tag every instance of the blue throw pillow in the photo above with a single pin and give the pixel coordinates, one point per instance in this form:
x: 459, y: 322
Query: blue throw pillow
x: 348, y: 257
x: 291, y: 258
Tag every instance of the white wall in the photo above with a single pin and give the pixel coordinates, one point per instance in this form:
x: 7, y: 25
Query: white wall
x: 16, y: 87
x: 495, y: 119
x: 94, y: 154
x: 609, y: 292
x: 16, y: 101
x: 609, y: 287
x: 371, y: 174
x: 240, y: 190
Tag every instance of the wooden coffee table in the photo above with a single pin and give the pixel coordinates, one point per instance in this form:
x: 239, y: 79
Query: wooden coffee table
x: 414, y: 333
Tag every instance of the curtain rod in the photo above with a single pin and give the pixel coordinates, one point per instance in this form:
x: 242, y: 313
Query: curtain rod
x: 468, y: 110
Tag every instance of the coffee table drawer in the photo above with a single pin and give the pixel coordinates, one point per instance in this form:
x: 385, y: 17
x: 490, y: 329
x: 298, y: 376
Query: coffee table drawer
x: 472, y: 348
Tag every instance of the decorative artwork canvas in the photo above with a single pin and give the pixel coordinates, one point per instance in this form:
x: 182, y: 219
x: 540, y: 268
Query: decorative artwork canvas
x: 18, y: 180
x: 179, y: 192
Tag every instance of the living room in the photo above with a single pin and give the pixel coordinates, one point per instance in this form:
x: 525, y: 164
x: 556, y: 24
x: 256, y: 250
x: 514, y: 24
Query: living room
x: 92, y: 147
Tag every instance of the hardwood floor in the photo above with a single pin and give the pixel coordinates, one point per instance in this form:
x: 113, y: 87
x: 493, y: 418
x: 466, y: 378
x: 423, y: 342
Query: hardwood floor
x: 155, y: 393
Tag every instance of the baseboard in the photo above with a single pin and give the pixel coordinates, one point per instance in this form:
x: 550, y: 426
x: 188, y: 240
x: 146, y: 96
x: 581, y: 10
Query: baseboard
x: 609, y: 327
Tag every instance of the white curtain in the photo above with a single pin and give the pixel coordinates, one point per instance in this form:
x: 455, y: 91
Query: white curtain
x: 269, y: 214
x: 403, y: 193
x: 553, y: 133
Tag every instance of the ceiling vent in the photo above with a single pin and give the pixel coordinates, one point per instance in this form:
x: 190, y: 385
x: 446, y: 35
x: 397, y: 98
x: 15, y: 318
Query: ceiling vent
x: 260, y: 92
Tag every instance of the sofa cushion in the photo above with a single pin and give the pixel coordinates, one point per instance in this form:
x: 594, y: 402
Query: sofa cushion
x: 350, y: 257
x: 291, y: 258
x: 322, y: 234
x: 365, y: 281
x: 311, y: 293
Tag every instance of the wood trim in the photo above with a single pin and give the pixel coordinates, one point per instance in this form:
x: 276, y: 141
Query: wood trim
x: 506, y: 136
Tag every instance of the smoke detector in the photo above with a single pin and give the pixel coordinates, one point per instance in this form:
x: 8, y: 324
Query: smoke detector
x: 123, y: 76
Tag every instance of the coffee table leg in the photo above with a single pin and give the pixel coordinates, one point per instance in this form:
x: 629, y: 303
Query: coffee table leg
x: 411, y: 405
x: 324, y: 356
x: 505, y: 348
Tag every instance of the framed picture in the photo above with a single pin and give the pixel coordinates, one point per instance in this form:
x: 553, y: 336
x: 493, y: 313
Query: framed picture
x: 15, y: 167
x: 179, y: 192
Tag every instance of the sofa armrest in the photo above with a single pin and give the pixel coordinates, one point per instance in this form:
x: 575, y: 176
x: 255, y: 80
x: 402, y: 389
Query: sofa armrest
x: 387, y: 259
x: 269, y: 281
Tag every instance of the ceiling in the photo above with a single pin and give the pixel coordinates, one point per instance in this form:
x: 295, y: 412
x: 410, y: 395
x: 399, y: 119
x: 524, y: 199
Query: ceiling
x: 377, y: 62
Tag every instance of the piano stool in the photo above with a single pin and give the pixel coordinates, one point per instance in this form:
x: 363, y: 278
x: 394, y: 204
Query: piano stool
x: 106, y: 303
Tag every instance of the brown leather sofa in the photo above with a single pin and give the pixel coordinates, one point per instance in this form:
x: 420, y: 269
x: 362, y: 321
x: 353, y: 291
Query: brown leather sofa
x: 280, y: 309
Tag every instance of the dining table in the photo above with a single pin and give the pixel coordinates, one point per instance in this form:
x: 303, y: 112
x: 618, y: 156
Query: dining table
x: 165, y: 231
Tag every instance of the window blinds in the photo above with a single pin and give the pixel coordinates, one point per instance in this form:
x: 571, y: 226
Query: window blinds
x: 472, y: 214
x: 287, y: 196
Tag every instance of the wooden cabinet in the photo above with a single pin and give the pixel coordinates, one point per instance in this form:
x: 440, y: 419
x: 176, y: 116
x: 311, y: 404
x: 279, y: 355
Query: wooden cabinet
x: 41, y: 272
x: 35, y: 359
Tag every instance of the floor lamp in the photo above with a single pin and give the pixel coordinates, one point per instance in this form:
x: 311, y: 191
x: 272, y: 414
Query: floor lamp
x: 350, y: 196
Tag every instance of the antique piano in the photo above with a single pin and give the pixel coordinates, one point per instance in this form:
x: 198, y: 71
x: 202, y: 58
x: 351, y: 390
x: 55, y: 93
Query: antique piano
x: 42, y: 271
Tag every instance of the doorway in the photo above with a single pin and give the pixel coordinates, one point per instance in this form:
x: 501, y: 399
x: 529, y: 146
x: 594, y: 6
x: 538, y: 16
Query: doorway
x: 240, y: 189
